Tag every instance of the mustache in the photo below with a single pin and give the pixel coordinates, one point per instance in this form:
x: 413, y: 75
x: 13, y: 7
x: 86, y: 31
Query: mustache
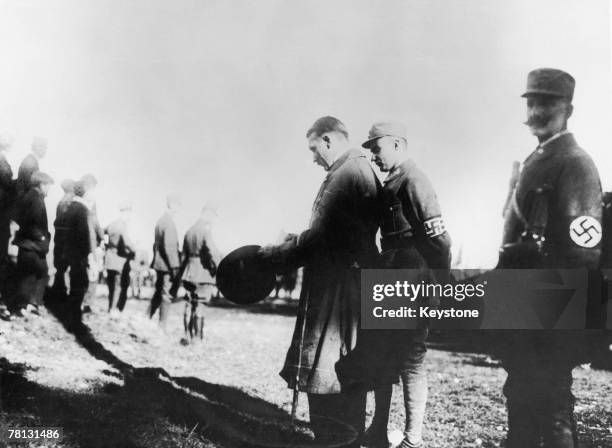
x: 536, y: 121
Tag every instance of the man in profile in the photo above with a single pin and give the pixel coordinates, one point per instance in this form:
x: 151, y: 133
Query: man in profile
x: 339, y: 242
x: 413, y: 237
x: 553, y: 221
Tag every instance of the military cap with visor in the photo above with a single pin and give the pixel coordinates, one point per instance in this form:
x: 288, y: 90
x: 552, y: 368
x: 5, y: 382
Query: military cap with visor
x: 551, y: 82
x: 385, y: 129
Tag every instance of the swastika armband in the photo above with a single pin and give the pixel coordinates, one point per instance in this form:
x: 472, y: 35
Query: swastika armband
x: 434, y: 227
x: 585, y: 231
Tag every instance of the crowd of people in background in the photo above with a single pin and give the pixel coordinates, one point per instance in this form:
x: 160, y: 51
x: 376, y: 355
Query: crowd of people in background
x: 83, y: 253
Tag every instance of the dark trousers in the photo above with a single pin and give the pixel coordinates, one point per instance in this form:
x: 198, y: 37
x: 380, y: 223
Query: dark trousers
x: 118, y: 284
x: 61, y: 266
x: 32, y: 272
x: 161, y: 297
x: 405, y: 352
x: 338, y: 419
x: 79, y: 282
x: 538, y: 392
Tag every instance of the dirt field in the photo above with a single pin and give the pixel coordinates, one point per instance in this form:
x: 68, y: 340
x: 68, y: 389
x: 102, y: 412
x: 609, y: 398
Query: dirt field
x: 130, y: 384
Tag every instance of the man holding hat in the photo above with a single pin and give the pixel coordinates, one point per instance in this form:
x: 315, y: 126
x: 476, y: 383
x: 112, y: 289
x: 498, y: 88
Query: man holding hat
x: 339, y: 242
x: 32, y: 238
x: 553, y: 221
x: 119, y: 252
x: 413, y: 237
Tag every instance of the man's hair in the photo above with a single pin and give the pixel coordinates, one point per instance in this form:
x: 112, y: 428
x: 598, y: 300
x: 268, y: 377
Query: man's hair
x: 327, y: 124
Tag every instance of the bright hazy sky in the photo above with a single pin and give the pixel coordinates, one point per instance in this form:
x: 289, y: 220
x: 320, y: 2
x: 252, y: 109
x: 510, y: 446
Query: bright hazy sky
x: 211, y: 99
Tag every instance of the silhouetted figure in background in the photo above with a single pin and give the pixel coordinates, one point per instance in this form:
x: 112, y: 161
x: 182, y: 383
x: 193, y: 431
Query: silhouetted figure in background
x: 29, y: 165
x: 166, y: 259
x: 32, y: 238
x: 59, y: 239
x: 119, y: 251
x: 78, y: 251
x: 7, y: 197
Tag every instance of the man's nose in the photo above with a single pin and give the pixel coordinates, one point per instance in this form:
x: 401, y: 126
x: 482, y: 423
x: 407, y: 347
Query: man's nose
x: 535, y: 111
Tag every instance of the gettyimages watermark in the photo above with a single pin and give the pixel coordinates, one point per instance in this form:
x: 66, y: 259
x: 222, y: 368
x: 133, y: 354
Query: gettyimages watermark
x: 501, y: 299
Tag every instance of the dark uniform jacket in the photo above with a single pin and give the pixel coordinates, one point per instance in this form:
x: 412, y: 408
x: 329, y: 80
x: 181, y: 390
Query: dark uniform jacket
x: 341, y: 239
x: 6, y: 185
x: 412, y: 217
x: 198, y: 254
x: 166, y: 255
x: 81, y: 240
x: 6, y: 205
x: 33, y: 233
x: 61, y: 229
x: 28, y: 166
x: 119, y: 248
x: 558, y: 196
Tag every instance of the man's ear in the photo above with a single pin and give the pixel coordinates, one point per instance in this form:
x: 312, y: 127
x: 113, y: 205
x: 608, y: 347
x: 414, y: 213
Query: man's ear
x: 569, y: 111
x: 326, y: 139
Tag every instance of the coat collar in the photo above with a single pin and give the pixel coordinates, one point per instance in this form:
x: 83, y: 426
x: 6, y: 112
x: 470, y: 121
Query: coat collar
x: 346, y: 155
x: 399, y: 170
x: 561, y: 142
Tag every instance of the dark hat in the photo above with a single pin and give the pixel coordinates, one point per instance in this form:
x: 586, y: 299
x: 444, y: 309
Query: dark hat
x: 384, y: 129
x: 550, y: 81
x: 242, y: 278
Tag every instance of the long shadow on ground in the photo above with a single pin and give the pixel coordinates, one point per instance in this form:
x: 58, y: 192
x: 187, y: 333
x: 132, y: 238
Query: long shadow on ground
x: 150, y: 409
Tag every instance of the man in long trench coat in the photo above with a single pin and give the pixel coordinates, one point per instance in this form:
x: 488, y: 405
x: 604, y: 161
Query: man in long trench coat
x: 339, y: 242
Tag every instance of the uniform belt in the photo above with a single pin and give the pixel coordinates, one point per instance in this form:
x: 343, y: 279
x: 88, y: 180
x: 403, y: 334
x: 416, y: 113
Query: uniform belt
x: 397, y: 240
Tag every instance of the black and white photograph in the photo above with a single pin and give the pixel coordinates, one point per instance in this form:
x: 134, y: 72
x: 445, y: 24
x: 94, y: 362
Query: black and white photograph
x: 306, y: 224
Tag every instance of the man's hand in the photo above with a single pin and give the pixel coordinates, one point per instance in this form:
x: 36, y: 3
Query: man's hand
x: 267, y: 253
